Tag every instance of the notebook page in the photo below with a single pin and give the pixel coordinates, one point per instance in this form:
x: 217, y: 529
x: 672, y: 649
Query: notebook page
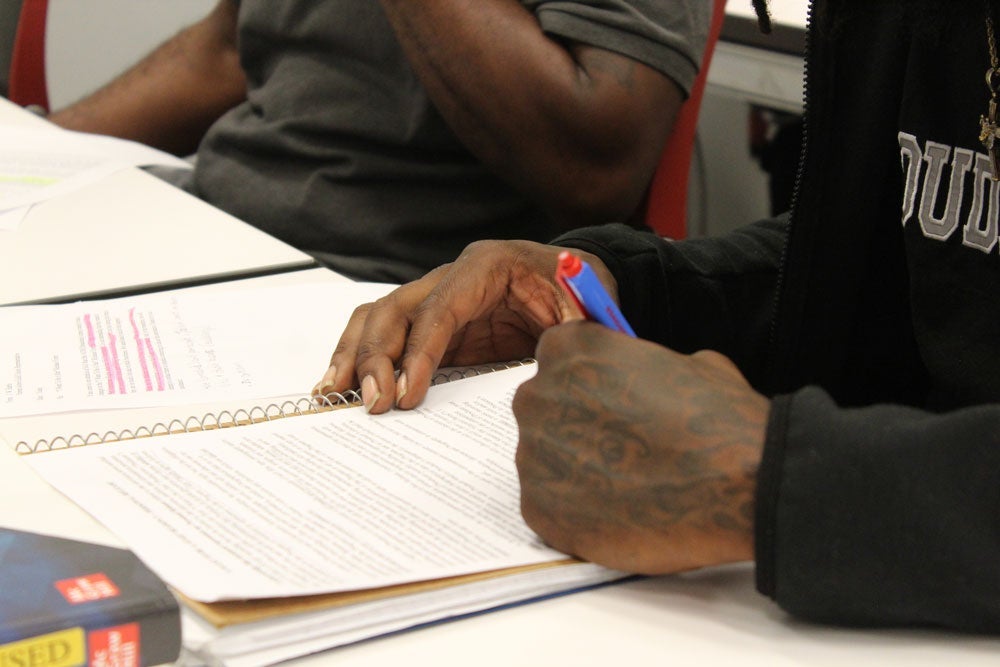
x: 172, y: 348
x: 337, y: 501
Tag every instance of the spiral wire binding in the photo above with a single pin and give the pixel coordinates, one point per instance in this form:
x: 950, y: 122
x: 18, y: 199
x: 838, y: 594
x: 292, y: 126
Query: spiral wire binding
x: 242, y: 417
x: 462, y: 372
x: 208, y: 422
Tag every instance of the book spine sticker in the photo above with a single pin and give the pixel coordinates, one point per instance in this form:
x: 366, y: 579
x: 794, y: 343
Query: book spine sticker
x: 117, y: 646
x: 65, y: 648
x: 87, y: 588
x: 114, y: 647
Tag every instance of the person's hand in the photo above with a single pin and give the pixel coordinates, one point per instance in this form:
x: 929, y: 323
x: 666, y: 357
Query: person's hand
x: 636, y: 457
x: 490, y: 304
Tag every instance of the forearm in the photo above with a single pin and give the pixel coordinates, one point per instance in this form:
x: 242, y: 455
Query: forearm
x: 171, y: 97
x: 881, y: 516
x: 579, y: 128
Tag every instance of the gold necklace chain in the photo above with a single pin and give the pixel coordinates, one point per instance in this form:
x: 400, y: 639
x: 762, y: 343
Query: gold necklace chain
x: 991, y: 41
x: 989, y: 130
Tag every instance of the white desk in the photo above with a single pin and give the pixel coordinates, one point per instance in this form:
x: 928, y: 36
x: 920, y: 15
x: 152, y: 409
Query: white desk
x: 713, y: 618
x: 128, y: 231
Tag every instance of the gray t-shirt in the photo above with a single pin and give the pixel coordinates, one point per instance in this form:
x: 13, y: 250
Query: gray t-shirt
x: 339, y: 152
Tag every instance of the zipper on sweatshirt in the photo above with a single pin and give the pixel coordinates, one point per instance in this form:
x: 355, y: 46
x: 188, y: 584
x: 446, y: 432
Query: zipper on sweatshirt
x: 765, y: 518
x: 796, y: 188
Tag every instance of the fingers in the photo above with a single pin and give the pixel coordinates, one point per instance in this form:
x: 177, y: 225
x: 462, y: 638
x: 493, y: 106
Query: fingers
x: 490, y: 305
x: 412, y: 329
x: 479, y: 288
x: 436, y: 321
x: 371, y: 344
x: 341, y: 374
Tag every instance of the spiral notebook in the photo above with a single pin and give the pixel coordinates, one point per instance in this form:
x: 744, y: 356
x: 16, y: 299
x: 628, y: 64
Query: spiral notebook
x: 324, y: 527
x: 182, y: 421
x: 171, y: 360
x: 98, y: 427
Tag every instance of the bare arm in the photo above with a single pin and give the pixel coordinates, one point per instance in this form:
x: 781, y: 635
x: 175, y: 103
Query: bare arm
x: 171, y: 97
x: 579, y: 128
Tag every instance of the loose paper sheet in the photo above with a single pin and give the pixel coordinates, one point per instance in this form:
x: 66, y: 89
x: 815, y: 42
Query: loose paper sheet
x: 319, y: 503
x: 40, y: 163
x: 172, y: 348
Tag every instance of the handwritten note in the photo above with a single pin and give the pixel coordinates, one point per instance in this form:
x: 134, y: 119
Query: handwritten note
x: 172, y: 348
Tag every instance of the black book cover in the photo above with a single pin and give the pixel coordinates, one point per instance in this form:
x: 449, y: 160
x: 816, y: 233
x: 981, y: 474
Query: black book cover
x: 65, y: 603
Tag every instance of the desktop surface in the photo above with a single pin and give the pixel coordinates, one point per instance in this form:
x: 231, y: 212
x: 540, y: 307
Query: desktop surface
x: 127, y: 231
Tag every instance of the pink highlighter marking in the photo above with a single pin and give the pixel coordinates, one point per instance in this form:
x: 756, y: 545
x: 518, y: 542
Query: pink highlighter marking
x: 156, y: 364
x: 90, y: 331
x: 116, y: 364
x: 108, y: 368
x: 143, y: 364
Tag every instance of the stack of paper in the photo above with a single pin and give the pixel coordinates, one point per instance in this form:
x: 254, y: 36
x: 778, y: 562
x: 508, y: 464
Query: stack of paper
x: 407, y: 518
x: 283, y: 536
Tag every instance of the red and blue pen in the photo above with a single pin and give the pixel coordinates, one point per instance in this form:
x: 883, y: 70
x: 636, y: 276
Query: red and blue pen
x: 583, y: 287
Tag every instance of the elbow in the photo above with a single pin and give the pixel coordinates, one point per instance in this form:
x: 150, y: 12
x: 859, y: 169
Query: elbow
x: 603, y: 181
x: 600, y: 195
x: 594, y: 156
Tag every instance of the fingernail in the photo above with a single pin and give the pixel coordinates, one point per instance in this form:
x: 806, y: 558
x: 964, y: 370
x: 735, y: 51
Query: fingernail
x: 326, y: 383
x: 401, y: 387
x: 369, y: 392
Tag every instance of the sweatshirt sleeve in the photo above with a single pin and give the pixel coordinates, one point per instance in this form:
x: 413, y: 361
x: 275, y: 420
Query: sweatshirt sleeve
x: 883, y: 515
x: 694, y: 294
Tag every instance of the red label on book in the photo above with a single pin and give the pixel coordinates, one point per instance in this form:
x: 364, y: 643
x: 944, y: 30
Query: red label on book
x: 87, y: 588
x: 114, y: 647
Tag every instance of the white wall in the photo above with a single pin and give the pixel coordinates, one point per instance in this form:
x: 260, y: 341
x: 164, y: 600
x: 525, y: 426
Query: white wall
x: 88, y: 42
x: 728, y: 187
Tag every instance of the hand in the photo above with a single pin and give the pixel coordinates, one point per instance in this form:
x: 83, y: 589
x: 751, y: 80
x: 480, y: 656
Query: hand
x: 491, y: 304
x: 637, y: 457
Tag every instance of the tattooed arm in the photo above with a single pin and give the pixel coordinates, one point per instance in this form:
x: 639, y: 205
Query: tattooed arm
x: 636, y: 457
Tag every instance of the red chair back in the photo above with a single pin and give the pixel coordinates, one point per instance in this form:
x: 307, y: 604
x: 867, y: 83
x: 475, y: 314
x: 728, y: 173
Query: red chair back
x: 27, y: 66
x: 666, y: 209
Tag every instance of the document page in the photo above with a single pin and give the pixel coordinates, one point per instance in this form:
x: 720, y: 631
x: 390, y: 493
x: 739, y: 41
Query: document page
x: 337, y: 501
x: 172, y: 348
x: 39, y: 163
